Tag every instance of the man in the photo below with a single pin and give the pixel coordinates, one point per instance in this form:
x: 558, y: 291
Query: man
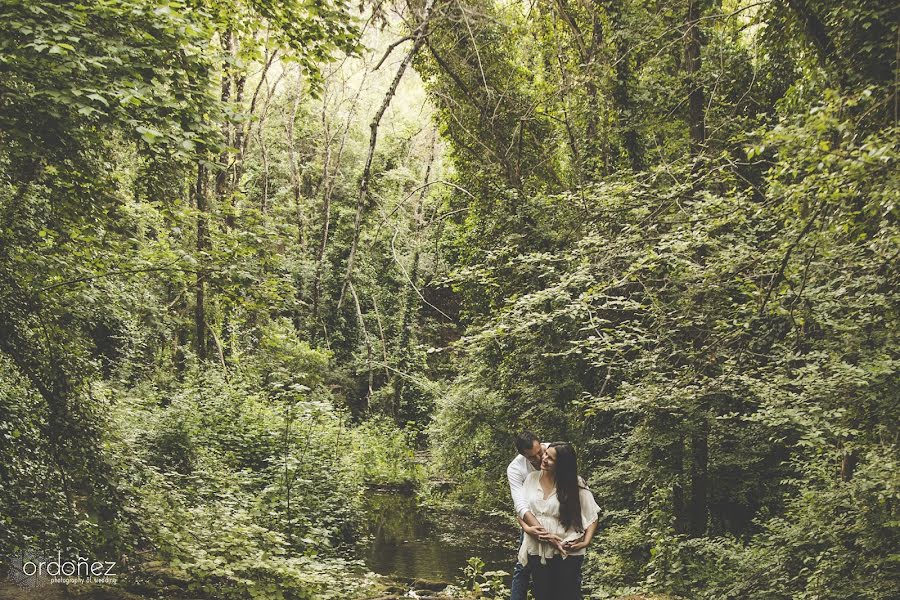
x: 530, y: 453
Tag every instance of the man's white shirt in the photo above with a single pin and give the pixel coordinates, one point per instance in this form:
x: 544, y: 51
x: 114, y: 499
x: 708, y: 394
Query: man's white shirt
x: 516, y: 472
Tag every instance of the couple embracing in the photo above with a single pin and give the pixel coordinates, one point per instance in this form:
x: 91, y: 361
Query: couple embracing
x: 558, y: 516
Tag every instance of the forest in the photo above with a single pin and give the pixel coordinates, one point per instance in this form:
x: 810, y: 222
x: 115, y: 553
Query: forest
x: 281, y: 277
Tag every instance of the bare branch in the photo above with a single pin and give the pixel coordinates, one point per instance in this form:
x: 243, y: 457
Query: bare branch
x: 389, y: 50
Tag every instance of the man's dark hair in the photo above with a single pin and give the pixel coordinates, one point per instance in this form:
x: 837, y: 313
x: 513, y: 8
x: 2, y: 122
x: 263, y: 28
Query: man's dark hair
x: 525, y: 441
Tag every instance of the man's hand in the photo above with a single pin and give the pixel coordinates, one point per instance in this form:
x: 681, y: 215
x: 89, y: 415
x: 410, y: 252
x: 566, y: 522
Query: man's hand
x: 532, y: 526
x: 537, y: 531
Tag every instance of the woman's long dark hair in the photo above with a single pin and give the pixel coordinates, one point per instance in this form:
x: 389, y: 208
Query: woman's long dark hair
x: 567, y: 487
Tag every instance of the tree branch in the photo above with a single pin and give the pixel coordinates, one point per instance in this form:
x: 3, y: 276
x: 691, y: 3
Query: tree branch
x: 778, y: 276
x: 389, y: 50
x: 419, y: 36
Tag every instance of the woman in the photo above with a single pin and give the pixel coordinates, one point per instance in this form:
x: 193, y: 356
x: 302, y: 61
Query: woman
x: 559, y: 500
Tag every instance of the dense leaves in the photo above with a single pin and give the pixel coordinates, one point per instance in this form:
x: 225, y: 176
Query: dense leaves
x: 250, y: 262
x: 705, y: 301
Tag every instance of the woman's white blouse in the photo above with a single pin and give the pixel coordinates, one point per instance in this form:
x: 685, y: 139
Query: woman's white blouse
x: 547, y: 514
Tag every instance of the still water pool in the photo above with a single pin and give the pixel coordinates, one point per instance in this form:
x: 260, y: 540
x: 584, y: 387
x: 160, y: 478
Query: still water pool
x: 406, y: 541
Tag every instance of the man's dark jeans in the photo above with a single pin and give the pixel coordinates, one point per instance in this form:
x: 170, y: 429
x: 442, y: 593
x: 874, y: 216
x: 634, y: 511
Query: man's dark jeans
x: 521, y: 577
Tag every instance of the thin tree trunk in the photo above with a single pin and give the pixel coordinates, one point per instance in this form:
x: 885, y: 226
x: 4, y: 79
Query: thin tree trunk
x: 696, y: 111
x: 328, y: 190
x: 292, y: 159
x: 237, y: 165
x: 295, y: 184
x: 202, y: 246
x: 227, y: 178
x: 410, y: 300
x: 326, y: 216
x: 244, y: 134
x: 219, y: 350
x: 179, y: 358
x: 221, y: 182
x: 240, y: 82
x: 368, y: 341
x: 384, y: 354
x: 264, y: 153
x: 699, y: 480
x: 419, y: 37
x: 621, y: 91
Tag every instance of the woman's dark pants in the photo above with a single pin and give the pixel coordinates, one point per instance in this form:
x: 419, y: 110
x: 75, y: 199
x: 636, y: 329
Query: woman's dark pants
x: 559, y: 579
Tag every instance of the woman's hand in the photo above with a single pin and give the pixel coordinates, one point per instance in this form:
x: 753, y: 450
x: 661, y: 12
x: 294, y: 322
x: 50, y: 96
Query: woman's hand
x: 576, y: 545
x: 583, y: 542
x: 555, y: 541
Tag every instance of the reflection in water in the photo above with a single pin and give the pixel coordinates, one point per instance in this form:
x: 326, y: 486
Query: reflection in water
x: 407, y: 543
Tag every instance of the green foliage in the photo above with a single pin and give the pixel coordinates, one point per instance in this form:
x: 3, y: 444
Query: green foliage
x: 76, y: 69
x: 290, y: 367
x: 33, y: 503
x: 244, y: 489
x: 187, y: 372
x: 799, y: 554
x: 484, y: 584
x: 382, y: 454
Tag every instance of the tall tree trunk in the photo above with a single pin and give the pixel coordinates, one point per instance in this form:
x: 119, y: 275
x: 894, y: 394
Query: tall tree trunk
x: 698, y: 510
x: 244, y: 134
x: 295, y: 186
x: 696, y: 111
x: 202, y: 246
x: 815, y: 29
x: 226, y: 178
x: 410, y: 305
x: 263, y: 150
x: 264, y: 154
x: 294, y: 167
x: 621, y: 92
x: 240, y: 82
x: 221, y: 185
x: 368, y: 340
